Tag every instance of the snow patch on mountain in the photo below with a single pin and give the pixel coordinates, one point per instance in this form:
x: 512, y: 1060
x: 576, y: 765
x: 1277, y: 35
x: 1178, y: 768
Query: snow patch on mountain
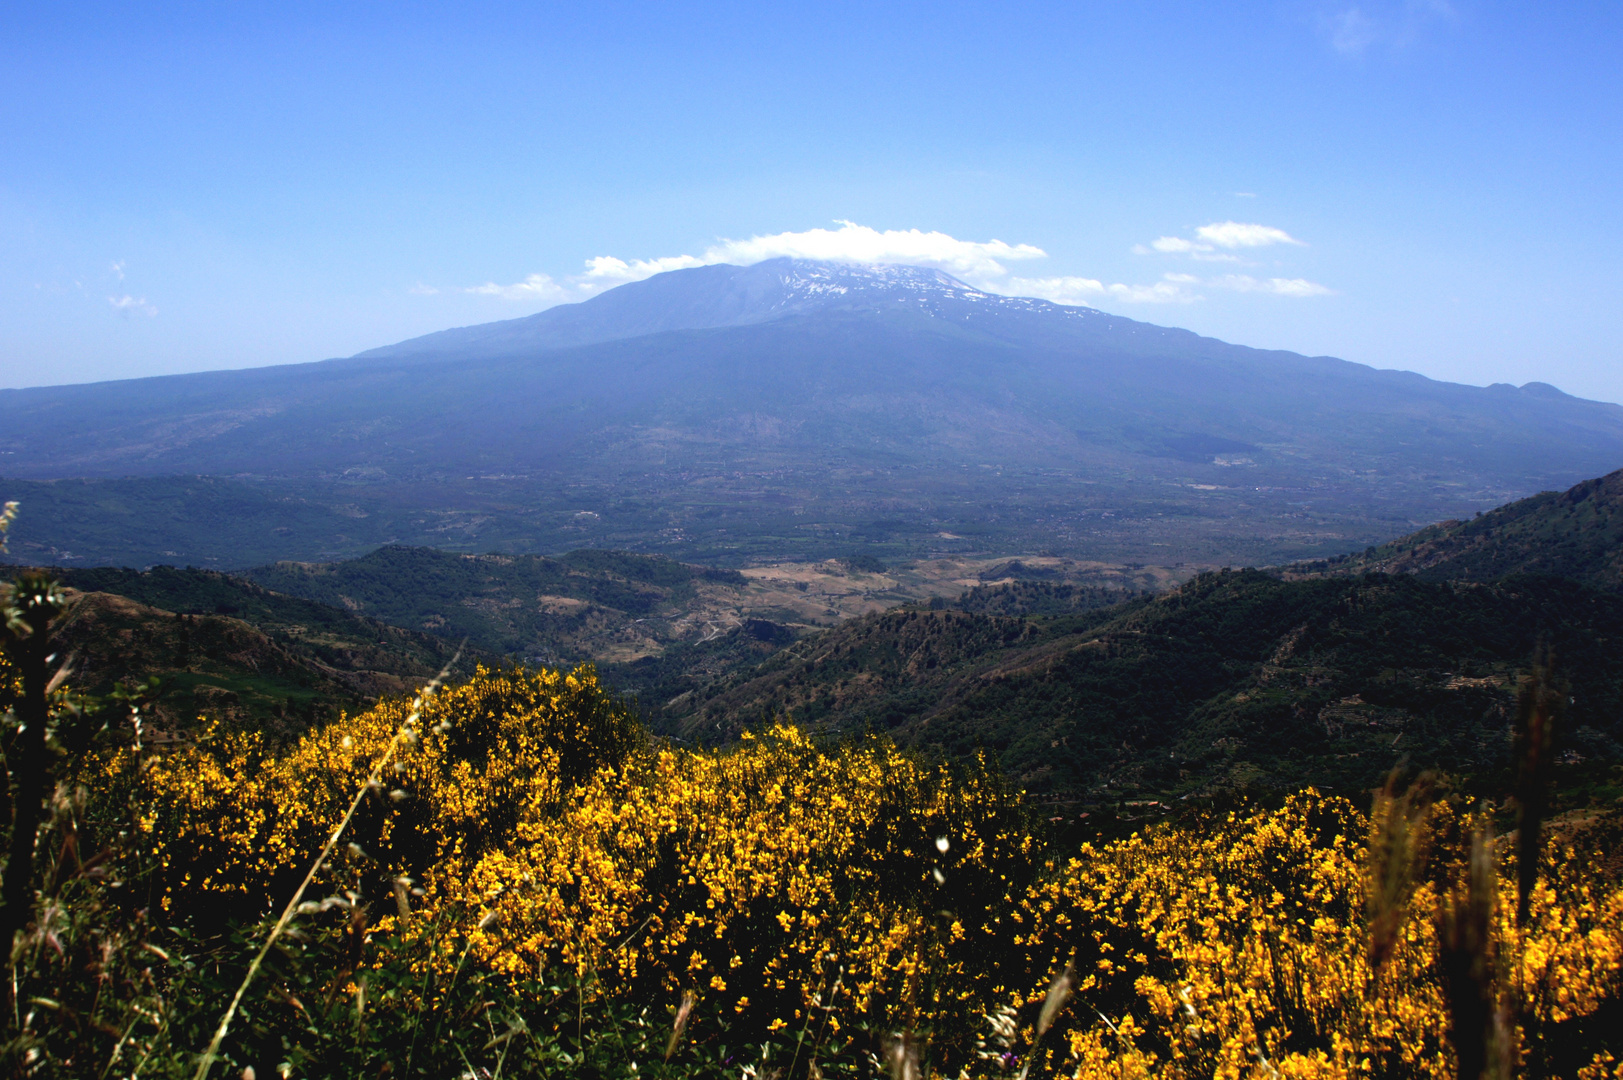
x: 806, y: 282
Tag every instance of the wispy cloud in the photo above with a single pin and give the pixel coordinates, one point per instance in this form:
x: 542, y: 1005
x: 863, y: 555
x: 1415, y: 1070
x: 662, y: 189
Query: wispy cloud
x: 1236, y: 234
x: 132, y: 305
x: 1354, y: 29
x: 1351, y: 30
x: 535, y: 287
x: 1171, y: 289
x: 1228, y: 235
x: 1278, y: 286
x: 984, y: 264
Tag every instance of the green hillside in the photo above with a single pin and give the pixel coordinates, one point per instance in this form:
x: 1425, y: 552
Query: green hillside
x: 331, y: 635
x: 279, y: 677
x: 1238, y: 679
x: 1577, y: 534
x: 574, y: 607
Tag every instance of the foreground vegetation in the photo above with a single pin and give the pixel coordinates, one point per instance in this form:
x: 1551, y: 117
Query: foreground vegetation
x: 508, y: 877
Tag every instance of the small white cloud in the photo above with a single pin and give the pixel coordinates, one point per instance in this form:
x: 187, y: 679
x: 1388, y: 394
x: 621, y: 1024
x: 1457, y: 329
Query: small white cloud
x: 534, y: 287
x: 118, y: 268
x: 1235, y: 234
x: 608, y: 268
x: 1227, y: 235
x: 1174, y: 245
x: 1162, y: 292
x: 1245, y: 194
x: 420, y: 289
x: 132, y: 305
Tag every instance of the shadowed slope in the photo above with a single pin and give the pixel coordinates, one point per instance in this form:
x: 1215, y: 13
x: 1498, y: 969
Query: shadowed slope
x: 1575, y: 534
x: 1235, y: 679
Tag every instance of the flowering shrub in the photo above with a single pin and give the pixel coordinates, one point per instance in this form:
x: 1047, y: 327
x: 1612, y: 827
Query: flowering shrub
x: 1239, y: 945
x: 823, y: 902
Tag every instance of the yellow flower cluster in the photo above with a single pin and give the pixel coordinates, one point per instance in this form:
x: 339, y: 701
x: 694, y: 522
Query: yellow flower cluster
x: 1239, y: 946
x: 788, y: 882
x: 228, y: 821
x: 766, y: 875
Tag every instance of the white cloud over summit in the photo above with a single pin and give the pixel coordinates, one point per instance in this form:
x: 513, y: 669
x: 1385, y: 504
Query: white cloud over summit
x: 858, y: 243
x: 982, y: 264
x: 848, y: 243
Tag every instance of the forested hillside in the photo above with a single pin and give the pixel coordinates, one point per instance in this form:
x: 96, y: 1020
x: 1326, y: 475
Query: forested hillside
x: 1576, y: 534
x: 1238, y: 679
x: 574, y: 607
x: 224, y: 650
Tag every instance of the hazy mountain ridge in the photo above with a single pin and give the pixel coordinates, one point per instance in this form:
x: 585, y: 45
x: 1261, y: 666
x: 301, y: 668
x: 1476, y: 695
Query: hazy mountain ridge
x: 872, y: 360
x: 581, y: 606
x: 721, y: 412
x: 1079, y: 689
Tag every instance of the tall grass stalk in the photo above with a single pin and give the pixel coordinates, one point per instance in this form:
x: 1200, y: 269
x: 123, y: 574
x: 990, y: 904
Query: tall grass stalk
x: 1541, y: 705
x: 373, y: 781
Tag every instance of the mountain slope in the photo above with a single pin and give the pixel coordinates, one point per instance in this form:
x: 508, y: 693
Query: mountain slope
x: 581, y: 606
x: 226, y: 649
x: 1577, y: 534
x: 1235, y: 679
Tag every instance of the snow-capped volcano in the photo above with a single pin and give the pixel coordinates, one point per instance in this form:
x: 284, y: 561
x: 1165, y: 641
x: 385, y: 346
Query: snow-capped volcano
x: 707, y: 297
x: 786, y: 362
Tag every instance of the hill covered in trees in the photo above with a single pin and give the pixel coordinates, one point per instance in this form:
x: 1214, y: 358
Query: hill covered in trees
x: 1577, y: 534
x: 226, y: 649
x: 1235, y: 680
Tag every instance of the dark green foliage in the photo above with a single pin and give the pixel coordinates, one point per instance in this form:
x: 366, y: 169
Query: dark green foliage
x: 877, y: 671
x: 1238, y: 679
x: 1039, y: 598
x: 232, y: 650
x: 1541, y: 708
x: 686, y: 670
x: 28, y: 606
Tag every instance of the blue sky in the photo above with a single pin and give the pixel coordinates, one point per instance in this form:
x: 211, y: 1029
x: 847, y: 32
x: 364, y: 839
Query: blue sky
x: 1426, y: 185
